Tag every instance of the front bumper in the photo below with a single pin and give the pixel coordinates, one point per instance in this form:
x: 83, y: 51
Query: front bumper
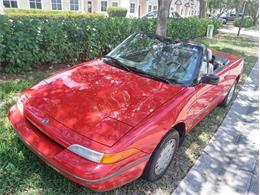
x: 96, y: 176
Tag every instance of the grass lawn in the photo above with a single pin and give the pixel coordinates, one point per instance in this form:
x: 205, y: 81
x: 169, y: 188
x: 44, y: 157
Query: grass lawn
x: 21, y: 172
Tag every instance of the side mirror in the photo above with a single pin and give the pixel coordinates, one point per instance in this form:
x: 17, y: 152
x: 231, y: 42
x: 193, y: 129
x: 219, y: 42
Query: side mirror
x: 107, y: 49
x: 211, y: 79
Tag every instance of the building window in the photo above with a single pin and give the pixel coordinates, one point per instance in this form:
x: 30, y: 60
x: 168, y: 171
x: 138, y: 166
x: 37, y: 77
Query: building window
x: 56, y: 4
x: 155, y: 7
x: 149, y: 8
x: 115, y: 3
x: 103, y: 6
x: 10, y: 4
x: 37, y: 4
x: 132, y: 8
x: 89, y: 6
x: 74, y: 5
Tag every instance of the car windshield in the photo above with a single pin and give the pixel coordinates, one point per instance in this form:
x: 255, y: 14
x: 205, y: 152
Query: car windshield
x: 174, y: 62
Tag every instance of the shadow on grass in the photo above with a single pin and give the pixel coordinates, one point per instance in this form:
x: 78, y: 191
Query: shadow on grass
x: 242, y: 41
x: 21, y: 171
x: 232, y: 41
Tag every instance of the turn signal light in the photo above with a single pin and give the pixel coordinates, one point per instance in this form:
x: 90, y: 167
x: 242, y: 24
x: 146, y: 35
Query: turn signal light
x: 112, y: 158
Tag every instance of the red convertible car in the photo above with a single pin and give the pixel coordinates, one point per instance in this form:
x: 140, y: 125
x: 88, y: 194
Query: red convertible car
x: 108, y: 121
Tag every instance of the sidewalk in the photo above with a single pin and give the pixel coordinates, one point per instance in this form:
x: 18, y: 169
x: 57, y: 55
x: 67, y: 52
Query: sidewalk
x: 229, y: 164
x: 232, y: 29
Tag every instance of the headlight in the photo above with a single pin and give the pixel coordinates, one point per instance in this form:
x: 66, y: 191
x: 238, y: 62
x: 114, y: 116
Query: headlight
x: 101, y: 157
x: 86, y: 153
x: 19, y: 105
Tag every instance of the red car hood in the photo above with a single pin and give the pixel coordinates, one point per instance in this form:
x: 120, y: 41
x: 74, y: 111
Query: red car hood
x: 99, y: 101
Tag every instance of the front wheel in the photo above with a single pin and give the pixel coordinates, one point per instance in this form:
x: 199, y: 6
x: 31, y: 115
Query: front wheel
x: 229, y: 96
x: 162, y: 157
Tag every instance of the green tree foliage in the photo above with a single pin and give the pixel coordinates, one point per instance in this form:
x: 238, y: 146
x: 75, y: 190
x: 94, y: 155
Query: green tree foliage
x: 253, y: 10
x: 221, y: 7
x: 248, y: 22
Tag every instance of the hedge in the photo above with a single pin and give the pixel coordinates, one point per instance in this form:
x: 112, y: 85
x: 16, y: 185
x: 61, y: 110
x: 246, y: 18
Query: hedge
x: 47, y: 13
x: 116, y: 11
x: 28, y: 41
x: 248, y: 22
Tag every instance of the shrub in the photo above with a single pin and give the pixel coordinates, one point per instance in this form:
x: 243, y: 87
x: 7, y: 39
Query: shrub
x: 27, y: 41
x: 248, y: 22
x: 116, y: 11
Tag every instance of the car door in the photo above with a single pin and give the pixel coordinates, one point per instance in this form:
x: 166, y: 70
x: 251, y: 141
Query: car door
x: 208, y: 96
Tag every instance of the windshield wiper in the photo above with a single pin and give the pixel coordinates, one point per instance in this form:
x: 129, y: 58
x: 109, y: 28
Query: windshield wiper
x: 117, y: 62
x: 169, y: 81
x: 160, y: 79
x: 133, y: 69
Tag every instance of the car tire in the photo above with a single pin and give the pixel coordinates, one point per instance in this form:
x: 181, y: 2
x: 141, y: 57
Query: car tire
x: 229, y: 95
x: 162, y: 157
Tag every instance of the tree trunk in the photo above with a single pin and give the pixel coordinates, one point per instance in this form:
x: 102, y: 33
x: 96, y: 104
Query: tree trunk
x: 203, y: 8
x: 255, y: 18
x: 163, y: 14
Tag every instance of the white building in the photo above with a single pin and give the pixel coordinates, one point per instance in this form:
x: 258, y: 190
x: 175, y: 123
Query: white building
x: 136, y: 8
x: 183, y: 7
